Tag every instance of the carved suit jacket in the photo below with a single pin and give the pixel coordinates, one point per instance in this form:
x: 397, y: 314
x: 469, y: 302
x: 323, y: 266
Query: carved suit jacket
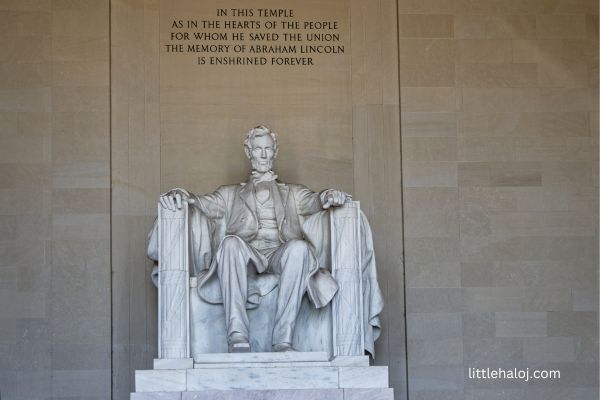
x: 231, y: 210
x: 236, y: 206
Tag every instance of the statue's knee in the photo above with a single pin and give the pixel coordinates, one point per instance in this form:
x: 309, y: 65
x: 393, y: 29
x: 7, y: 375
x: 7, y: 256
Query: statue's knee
x: 230, y: 247
x: 230, y: 243
x: 298, y: 247
x: 298, y: 254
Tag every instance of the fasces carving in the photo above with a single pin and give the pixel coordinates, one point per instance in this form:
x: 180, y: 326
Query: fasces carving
x: 348, y: 335
x: 273, y: 267
x: 173, y: 287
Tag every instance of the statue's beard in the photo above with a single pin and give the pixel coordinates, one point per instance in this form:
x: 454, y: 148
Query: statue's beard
x: 262, y: 165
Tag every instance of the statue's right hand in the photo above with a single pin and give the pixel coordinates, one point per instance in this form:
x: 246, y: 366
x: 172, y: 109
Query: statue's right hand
x: 174, y: 198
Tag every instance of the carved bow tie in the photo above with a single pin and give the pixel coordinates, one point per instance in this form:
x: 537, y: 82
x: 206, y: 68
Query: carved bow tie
x: 258, y: 177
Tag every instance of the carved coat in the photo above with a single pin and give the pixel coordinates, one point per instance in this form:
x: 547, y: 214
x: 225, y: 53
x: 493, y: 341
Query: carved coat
x: 236, y: 204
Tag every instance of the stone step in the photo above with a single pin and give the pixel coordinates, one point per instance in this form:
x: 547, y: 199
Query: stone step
x: 173, y: 363
x: 260, y: 378
x: 188, y: 363
x: 289, y: 356
x: 284, y: 394
x: 341, y: 361
x: 265, y: 365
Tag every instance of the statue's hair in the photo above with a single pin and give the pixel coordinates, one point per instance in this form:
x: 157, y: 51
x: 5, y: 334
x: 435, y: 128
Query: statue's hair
x: 260, y: 131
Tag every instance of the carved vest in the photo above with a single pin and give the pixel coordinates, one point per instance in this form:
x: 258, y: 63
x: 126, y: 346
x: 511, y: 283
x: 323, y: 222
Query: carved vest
x: 267, y: 240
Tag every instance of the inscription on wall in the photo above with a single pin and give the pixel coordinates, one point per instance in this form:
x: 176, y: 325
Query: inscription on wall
x: 255, y: 36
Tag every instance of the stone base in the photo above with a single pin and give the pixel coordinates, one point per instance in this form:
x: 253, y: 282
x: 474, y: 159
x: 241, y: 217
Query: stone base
x: 284, y: 394
x: 293, y: 375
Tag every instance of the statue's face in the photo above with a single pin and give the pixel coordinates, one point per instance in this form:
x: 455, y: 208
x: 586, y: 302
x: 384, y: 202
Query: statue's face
x: 262, y: 153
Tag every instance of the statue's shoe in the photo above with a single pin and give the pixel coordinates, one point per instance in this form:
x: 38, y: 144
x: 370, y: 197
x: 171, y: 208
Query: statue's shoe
x: 239, y: 347
x: 281, y: 347
x: 238, y: 343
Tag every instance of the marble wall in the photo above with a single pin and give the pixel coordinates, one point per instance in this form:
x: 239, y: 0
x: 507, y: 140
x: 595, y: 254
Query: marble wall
x: 177, y: 124
x: 493, y: 161
x: 500, y: 167
x: 54, y: 200
x: 135, y: 151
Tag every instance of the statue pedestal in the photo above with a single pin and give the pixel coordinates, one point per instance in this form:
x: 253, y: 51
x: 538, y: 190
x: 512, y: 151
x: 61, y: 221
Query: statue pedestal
x: 268, y: 376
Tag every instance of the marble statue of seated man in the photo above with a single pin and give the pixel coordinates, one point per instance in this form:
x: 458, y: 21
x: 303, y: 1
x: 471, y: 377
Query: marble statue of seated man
x: 248, y: 230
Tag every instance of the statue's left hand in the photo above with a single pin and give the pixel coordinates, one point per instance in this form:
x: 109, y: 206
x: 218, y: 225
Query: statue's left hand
x: 334, y: 198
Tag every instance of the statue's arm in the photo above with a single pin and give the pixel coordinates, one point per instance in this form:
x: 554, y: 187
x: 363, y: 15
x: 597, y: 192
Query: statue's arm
x: 310, y: 202
x: 212, y: 205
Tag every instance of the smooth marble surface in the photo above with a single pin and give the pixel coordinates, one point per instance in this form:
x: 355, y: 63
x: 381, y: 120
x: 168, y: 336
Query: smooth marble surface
x: 173, y: 363
x: 291, y: 356
x: 369, y: 394
x: 233, y: 377
x: 340, y: 361
x: 282, y: 394
x: 160, y: 381
x: 363, y: 377
x: 291, y: 394
x: 264, y: 364
x: 262, y: 378
x: 156, y: 396
x: 350, y: 361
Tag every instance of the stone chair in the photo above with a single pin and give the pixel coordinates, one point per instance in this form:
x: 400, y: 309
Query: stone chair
x: 190, y: 326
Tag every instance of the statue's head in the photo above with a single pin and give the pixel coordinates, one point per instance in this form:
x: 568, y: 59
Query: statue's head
x: 261, y: 148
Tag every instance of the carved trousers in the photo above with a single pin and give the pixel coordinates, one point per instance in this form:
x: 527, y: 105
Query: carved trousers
x: 291, y: 262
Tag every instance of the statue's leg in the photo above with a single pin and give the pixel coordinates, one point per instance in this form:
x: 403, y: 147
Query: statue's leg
x: 292, y: 262
x: 232, y: 269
